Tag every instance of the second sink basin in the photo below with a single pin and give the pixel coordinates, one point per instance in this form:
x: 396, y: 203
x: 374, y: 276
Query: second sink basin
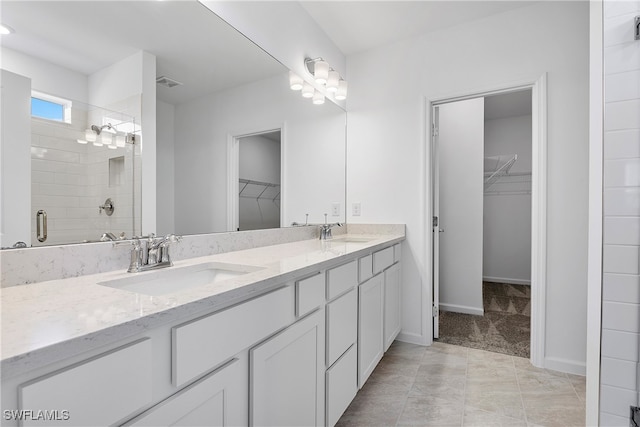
x: 174, y: 279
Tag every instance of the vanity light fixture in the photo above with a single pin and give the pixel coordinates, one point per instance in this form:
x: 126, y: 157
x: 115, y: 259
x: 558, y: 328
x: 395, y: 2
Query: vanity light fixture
x: 341, y: 93
x: 325, y: 75
x: 82, y: 141
x: 332, y: 81
x: 295, y: 81
x: 307, y: 90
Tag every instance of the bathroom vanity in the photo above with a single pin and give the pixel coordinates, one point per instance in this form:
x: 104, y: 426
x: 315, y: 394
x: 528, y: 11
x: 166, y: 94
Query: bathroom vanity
x: 276, y: 335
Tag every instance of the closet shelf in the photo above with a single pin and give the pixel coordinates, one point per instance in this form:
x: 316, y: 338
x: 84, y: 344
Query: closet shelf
x: 259, y: 190
x: 499, y: 180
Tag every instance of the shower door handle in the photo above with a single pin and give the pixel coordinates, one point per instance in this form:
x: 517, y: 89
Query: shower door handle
x: 41, y: 218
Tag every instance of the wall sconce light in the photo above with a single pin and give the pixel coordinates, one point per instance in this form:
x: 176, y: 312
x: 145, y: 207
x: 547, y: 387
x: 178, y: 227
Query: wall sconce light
x: 107, y: 135
x: 323, y: 74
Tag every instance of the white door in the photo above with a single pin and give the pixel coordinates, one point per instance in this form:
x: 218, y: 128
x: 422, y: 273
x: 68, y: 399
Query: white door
x: 436, y: 230
x: 458, y: 201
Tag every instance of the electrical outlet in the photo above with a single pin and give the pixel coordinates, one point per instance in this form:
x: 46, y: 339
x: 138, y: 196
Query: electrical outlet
x: 355, y: 209
x: 335, y: 209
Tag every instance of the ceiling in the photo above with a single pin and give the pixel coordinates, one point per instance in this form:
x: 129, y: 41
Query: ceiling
x: 192, y: 44
x: 357, y: 26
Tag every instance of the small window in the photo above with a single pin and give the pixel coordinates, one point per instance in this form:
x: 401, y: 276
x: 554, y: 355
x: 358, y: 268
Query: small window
x: 50, y: 107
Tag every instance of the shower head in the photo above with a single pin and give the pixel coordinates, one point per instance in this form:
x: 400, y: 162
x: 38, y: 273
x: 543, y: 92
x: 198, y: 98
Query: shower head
x: 97, y: 129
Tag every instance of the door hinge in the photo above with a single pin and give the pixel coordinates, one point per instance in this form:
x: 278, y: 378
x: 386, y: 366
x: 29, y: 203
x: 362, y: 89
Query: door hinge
x: 434, y: 130
x: 435, y: 312
x: 435, y: 221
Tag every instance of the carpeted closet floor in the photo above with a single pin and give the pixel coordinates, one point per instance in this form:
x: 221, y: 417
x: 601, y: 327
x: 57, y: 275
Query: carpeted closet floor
x: 504, y: 328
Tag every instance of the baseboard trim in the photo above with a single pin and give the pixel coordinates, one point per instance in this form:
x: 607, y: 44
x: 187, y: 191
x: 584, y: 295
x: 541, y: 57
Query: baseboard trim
x: 565, y: 365
x: 461, y: 309
x: 506, y: 280
x: 411, y: 338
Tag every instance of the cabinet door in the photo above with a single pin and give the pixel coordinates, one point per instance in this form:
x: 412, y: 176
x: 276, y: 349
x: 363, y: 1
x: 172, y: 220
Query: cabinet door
x: 287, y: 376
x: 218, y: 399
x: 370, y: 326
x: 342, y: 325
x: 391, y: 304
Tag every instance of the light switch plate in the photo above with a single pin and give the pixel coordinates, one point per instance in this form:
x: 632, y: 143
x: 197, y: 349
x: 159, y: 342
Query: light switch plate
x: 335, y: 209
x: 355, y: 209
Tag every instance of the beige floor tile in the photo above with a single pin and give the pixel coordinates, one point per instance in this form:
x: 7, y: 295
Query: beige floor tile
x: 560, y: 416
x: 394, y: 365
x: 503, y: 400
x: 430, y: 411
x: 448, y: 387
x: 474, y: 417
x: 371, y: 410
x: 448, y: 369
x: 407, y: 351
x: 387, y: 384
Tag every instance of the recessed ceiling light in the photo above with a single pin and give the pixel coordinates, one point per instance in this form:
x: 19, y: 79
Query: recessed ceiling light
x: 5, y: 29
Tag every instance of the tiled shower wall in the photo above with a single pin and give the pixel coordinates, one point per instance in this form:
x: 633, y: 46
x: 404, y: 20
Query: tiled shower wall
x: 70, y: 181
x: 621, y: 264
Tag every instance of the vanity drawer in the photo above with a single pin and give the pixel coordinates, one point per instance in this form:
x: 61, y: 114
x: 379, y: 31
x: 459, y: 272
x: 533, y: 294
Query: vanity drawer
x: 342, y: 385
x: 382, y: 259
x: 204, y: 343
x: 341, y: 279
x: 342, y: 325
x: 99, y: 391
x: 309, y: 294
x: 397, y: 252
x: 366, y: 268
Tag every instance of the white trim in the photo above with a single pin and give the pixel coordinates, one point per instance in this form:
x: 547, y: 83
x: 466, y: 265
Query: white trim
x: 461, y: 309
x: 538, y: 220
x: 565, y: 365
x: 233, y: 170
x: 412, y: 338
x: 538, y: 85
x: 594, y: 244
x: 506, y: 280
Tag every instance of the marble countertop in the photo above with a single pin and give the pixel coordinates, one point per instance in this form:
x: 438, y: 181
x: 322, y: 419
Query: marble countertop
x: 49, y: 321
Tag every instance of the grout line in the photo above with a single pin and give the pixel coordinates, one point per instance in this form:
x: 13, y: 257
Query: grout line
x: 524, y: 409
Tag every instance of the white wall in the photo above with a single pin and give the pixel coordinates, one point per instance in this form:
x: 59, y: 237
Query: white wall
x: 507, y: 217
x: 165, y: 169
x: 47, y: 77
x: 15, y: 159
x: 313, y: 144
x: 621, y: 279
x: 387, y: 140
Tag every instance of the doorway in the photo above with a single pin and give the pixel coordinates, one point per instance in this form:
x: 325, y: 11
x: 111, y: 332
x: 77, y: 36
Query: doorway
x: 255, y: 178
x: 472, y: 227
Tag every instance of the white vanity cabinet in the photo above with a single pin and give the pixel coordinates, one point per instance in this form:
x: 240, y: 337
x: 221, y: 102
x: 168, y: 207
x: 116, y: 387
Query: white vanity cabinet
x: 392, y: 310
x: 370, y: 326
x: 287, y: 376
x: 219, y: 399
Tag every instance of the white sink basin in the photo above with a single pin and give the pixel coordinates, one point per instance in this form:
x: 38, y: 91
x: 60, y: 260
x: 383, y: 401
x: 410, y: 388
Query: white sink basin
x: 175, y: 279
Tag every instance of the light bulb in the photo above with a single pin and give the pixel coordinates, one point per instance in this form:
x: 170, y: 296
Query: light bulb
x: 342, y: 90
x: 333, y: 81
x: 97, y: 144
x: 318, y: 98
x: 321, y: 72
x: 106, y: 138
x: 307, y: 90
x: 81, y: 141
x: 90, y: 135
x: 295, y: 81
x: 120, y: 141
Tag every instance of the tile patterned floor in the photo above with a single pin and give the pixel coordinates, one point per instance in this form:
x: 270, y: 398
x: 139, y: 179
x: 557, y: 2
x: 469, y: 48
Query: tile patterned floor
x: 448, y: 385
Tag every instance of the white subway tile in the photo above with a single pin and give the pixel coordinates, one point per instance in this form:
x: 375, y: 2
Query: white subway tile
x: 620, y: 259
x: 622, y: 201
x: 620, y: 345
x: 622, y: 86
x: 613, y: 8
x: 622, y: 144
x: 621, y: 316
x: 622, y: 230
x: 619, y: 29
x: 609, y: 420
x: 622, y: 115
x: 622, y: 173
x: 621, y: 288
x: 618, y: 373
x: 621, y: 58
x: 617, y: 401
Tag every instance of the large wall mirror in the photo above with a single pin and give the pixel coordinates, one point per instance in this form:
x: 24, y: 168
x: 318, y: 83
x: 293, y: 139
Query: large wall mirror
x: 234, y: 147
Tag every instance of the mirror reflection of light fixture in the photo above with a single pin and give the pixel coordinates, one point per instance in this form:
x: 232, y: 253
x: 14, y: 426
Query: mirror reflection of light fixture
x: 90, y: 135
x: 82, y: 141
x: 120, y: 141
x: 307, y: 90
x: 318, y: 98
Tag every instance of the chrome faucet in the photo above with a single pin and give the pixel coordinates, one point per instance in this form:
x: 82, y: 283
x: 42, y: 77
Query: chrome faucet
x: 325, y: 229
x: 150, y: 253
